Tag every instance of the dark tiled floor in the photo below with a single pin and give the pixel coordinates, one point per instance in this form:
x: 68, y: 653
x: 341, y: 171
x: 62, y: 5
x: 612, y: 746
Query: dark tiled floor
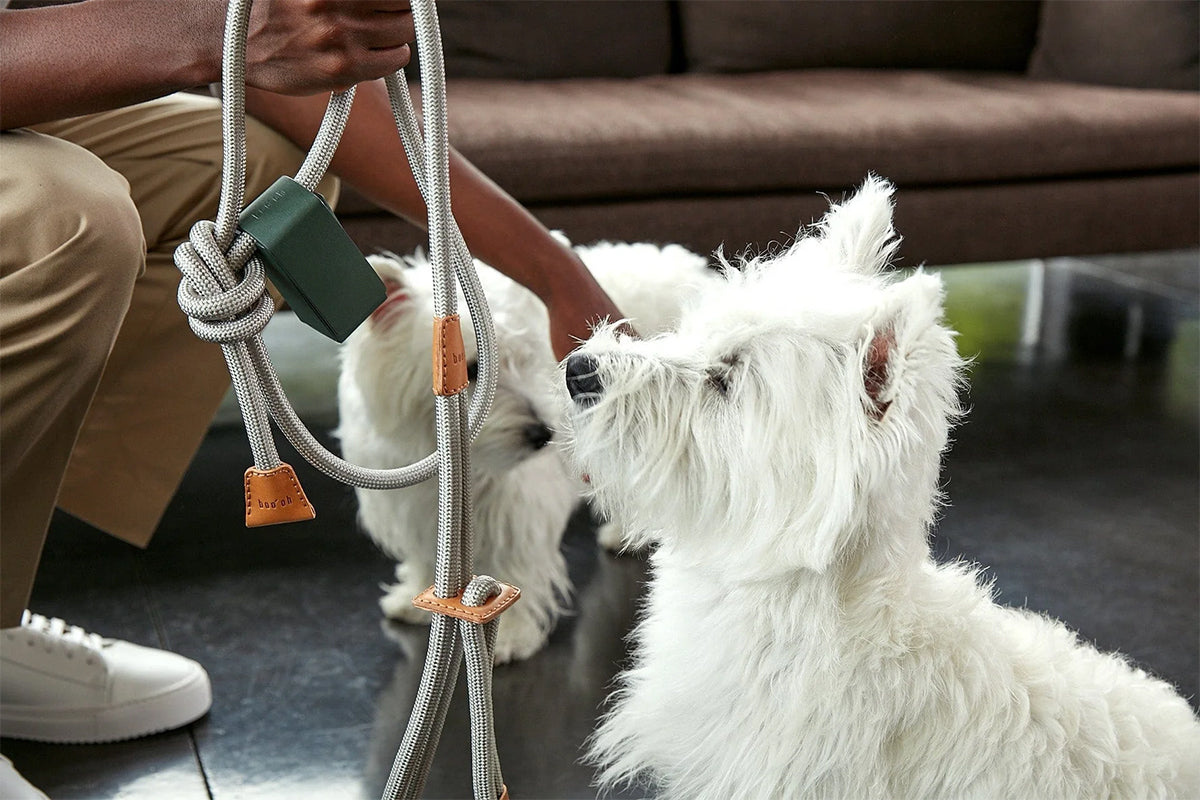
x: 1074, y: 478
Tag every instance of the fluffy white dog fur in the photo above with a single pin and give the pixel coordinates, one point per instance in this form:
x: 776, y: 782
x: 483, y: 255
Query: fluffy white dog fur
x: 799, y: 641
x: 523, y: 493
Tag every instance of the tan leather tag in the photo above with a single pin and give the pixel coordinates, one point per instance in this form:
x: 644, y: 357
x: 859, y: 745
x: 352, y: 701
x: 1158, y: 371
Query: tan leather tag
x: 449, y: 356
x: 275, y: 496
x: 453, y: 606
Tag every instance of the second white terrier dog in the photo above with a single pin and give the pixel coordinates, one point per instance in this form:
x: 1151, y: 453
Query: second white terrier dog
x: 783, y: 449
x: 522, y: 492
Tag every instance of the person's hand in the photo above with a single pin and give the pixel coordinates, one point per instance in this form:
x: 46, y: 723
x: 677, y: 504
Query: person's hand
x: 574, y: 313
x: 302, y: 47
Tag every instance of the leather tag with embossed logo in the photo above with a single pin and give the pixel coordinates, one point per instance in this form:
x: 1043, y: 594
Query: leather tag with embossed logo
x: 449, y: 356
x: 275, y: 496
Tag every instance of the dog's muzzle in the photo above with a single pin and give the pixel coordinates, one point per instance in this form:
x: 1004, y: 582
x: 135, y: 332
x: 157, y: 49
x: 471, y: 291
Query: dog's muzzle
x: 583, y: 379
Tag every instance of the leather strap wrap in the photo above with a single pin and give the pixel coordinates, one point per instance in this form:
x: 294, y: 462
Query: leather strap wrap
x: 449, y: 356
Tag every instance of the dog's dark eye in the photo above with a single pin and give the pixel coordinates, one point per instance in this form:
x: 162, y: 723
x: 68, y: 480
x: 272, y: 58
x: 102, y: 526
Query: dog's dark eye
x: 472, y: 370
x: 720, y: 377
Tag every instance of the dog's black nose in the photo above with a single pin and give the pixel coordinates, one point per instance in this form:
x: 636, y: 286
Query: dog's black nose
x: 583, y: 379
x: 538, y: 435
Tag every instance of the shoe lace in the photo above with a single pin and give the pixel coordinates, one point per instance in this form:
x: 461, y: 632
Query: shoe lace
x: 55, y: 631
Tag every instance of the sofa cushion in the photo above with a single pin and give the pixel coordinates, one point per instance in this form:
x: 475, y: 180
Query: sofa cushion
x: 1154, y: 45
x: 526, y: 39
x: 753, y: 35
x: 569, y: 141
x: 940, y: 224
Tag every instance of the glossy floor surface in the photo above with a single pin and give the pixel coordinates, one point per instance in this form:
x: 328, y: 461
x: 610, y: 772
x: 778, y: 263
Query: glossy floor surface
x: 1074, y: 478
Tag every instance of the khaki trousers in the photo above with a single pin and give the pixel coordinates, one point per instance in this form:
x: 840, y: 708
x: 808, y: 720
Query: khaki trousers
x: 105, y: 393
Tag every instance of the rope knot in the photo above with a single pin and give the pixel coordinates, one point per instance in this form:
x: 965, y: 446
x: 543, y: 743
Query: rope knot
x: 224, y: 294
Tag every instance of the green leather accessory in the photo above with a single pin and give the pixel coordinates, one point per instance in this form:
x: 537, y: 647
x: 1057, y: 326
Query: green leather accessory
x: 311, y: 260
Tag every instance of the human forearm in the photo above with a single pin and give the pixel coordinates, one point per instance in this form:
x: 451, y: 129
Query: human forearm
x: 68, y: 60
x: 143, y: 53
x: 498, y: 229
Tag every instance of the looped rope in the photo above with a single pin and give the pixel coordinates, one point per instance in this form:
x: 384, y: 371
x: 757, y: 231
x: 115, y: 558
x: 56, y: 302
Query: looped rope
x: 216, y: 313
x: 223, y: 292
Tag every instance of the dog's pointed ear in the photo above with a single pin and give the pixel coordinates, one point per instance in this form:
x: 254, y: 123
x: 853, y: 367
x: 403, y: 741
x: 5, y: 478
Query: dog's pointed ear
x: 909, y: 307
x: 396, y: 288
x: 859, y: 231
x: 395, y: 284
x: 879, y: 367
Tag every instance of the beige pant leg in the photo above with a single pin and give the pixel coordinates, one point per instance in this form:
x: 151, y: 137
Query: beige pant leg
x: 161, y: 385
x: 70, y: 251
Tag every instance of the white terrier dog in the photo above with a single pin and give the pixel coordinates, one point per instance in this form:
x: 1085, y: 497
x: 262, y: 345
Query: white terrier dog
x: 522, y: 492
x: 782, y: 449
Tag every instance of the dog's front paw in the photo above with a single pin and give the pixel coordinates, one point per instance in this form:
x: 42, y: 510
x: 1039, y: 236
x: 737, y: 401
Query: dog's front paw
x: 609, y: 536
x: 519, y: 637
x: 614, y: 537
x: 396, y: 602
x: 397, y: 605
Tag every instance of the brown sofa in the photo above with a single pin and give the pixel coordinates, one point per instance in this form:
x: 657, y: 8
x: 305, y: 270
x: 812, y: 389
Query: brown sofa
x: 1012, y: 129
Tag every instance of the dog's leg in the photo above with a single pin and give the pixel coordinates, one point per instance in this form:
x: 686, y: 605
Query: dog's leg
x: 610, y: 536
x: 396, y: 602
x: 521, y: 634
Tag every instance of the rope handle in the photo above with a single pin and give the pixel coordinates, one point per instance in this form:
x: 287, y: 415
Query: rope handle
x: 223, y: 291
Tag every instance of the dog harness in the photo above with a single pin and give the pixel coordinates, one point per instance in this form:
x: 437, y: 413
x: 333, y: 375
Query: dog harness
x: 289, y: 234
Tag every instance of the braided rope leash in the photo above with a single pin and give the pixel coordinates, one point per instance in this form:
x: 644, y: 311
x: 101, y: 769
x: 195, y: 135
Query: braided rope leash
x: 224, y: 294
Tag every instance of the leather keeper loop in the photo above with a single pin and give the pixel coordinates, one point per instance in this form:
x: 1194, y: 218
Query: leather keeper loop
x: 453, y: 606
x: 449, y: 356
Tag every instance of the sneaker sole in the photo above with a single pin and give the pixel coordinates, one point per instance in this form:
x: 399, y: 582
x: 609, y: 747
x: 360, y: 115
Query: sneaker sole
x: 180, y: 705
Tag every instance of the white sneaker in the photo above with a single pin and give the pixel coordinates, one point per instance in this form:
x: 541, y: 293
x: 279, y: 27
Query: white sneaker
x: 59, y: 683
x: 13, y: 785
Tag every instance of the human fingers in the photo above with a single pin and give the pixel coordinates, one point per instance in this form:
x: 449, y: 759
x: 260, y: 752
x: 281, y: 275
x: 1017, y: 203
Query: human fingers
x: 366, y: 39
x: 310, y: 46
x: 379, y: 24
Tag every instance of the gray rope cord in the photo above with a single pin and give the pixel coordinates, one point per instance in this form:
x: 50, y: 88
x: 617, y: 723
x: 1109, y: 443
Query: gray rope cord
x: 224, y: 295
x: 232, y: 310
x: 479, y: 643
